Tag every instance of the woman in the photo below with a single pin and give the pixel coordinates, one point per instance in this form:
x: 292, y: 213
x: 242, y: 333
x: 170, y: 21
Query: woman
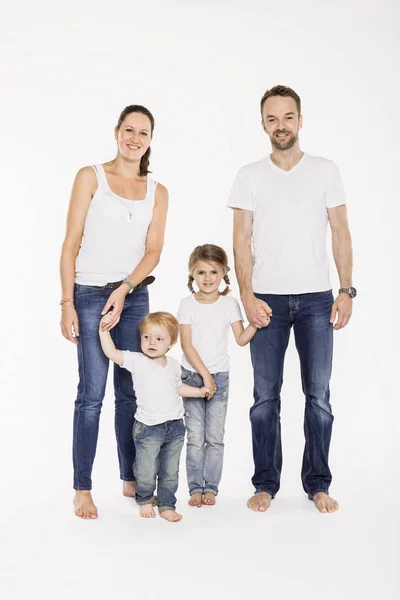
x: 115, y: 234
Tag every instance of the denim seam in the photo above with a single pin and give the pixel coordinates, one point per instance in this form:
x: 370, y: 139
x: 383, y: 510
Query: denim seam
x: 79, y: 414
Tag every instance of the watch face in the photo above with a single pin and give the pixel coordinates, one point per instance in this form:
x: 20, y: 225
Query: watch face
x: 353, y: 292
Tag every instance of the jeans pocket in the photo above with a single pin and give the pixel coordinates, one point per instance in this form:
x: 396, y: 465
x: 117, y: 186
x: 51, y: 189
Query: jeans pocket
x: 138, y: 430
x: 185, y: 375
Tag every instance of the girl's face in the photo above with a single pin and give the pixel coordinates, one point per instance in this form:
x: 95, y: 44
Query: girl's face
x: 134, y: 136
x: 207, y: 276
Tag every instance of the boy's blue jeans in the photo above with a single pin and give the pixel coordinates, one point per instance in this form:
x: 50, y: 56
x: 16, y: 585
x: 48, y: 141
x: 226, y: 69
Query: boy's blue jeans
x: 158, y: 450
x: 309, y: 314
x: 93, y: 370
x: 205, y: 425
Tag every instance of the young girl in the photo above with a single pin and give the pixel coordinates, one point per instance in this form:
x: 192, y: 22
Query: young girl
x: 205, y: 318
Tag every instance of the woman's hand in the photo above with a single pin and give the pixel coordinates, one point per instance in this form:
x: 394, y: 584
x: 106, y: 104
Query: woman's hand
x: 69, y: 324
x: 116, y: 302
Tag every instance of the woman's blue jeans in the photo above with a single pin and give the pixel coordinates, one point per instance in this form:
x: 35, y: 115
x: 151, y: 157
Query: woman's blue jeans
x: 93, y: 370
x: 309, y: 314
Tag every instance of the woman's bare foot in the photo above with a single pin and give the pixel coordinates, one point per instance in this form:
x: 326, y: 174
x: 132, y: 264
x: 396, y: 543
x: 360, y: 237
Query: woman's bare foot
x: 325, y: 503
x: 84, y: 505
x: 196, y: 500
x: 147, y: 511
x: 260, y: 502
x: 129, y: 488
x: 170, y: 515
x: 209, y: 499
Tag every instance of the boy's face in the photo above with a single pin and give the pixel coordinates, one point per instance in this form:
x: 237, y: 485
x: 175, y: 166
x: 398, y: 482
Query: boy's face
x: 155, y: 341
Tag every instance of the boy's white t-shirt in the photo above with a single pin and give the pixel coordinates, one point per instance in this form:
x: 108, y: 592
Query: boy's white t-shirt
x: 210, y: 325
x: 289, y: 222
x: 155, y: 387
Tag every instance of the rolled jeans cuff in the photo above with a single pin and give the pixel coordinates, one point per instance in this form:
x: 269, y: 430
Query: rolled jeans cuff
x: 198, y: 490
x: 211, y: 491
x: 147, y: 501
x: 259, y: 491
x: 163, y: 508
x: 317, y: 491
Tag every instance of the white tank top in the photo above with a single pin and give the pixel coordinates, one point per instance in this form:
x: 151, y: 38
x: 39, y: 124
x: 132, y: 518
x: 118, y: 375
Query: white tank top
x: 114, y: 237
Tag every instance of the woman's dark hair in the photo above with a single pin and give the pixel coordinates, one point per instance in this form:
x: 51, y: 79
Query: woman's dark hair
x: 137, y: 108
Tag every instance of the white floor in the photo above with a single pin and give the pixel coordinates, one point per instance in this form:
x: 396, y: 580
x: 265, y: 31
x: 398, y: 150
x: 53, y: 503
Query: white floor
x: 223, y: 552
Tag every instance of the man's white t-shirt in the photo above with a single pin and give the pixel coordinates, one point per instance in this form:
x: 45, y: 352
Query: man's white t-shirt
x: 155, y: 387
x: 289, y: 222
x: 210, y: 324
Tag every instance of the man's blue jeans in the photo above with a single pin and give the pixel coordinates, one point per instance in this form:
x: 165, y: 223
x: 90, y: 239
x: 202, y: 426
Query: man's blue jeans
x: 93, y: 370
x: 205, y: 425
x: 158, y: 451
x: 309, y: 314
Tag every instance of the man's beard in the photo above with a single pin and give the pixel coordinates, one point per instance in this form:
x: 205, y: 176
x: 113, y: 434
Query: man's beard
x: 284, y: 145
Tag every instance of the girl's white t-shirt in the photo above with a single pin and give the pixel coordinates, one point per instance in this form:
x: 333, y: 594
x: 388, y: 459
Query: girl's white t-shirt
x: 210, y: 325
x: 155, y: 386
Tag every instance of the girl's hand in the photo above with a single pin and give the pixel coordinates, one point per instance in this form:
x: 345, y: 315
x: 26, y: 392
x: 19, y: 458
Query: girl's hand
x: 70, y: 325
x: 116, y: 301
x: 205, y: 392
x: 209, y: 383
x: 105, y: 321
x: 263, y: 316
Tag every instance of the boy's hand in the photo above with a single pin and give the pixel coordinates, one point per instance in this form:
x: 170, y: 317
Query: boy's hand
x: 105, y: 322
x: 209, y: 383
x: 205, y: 392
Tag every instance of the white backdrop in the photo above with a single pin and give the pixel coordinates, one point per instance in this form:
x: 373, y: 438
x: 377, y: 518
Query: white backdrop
x: 201, y: 68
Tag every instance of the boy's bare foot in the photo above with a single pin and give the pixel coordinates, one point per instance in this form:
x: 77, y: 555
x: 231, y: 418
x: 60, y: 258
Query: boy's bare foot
x: 196, y: 500
x: 209, y: 499
x: 260, y: 502
x: 84, y: 505
x: 170, y: 515
x: 325, y: 503
x: 147, y: 511
x: 129, y: 488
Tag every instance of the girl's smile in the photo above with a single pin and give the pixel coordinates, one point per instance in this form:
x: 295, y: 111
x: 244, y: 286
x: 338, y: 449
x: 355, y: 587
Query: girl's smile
x: 207, y: 276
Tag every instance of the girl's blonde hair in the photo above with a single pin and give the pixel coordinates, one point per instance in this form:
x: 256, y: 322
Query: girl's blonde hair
x: 209, y: 253
x: 162, y: 319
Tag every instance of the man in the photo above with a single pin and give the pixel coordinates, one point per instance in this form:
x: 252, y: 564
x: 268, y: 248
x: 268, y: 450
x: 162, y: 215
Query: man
x: 282, y: 205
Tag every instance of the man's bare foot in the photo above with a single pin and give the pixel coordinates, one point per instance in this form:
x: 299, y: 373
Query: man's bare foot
x: 129, y: 488
x: 147, y: 511
x: 195, y: 500
x: 170, y: 515
x: 84, y: 505
x: 260, y: 502
x: 209, y: 499
x: 325, y: 503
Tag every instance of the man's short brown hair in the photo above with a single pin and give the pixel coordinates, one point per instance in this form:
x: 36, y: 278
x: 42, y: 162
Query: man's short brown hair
x: 282, y: 90
x: 162, y: 319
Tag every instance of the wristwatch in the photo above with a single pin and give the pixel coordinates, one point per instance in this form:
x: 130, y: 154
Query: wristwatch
x: 351, y: 291
x: 128, y: 283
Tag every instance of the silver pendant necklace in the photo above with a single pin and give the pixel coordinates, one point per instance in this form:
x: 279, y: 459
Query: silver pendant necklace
x: 129, y: 218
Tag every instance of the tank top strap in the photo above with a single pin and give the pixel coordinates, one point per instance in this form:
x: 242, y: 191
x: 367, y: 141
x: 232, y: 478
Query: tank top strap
x: 151, y: 191
x: 101, y: 178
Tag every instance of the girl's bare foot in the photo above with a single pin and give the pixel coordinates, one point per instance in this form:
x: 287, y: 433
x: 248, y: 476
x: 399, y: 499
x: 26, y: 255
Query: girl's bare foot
x: 209, y: 499
x: 196, y: 500
x: 325, y: 503
x: 147, y: 511
x: 84, y: 505
x: 260, y: 502
x: 170, y: 515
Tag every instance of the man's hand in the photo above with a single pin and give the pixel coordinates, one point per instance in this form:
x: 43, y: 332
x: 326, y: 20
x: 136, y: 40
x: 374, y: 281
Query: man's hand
x: 342, y: 309
x: 258, y: 312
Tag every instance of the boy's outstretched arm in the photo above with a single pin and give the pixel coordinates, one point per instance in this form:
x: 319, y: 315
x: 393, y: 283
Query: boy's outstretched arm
x: 189, y: 391
x: 107, y: 344
x: 244, y: 336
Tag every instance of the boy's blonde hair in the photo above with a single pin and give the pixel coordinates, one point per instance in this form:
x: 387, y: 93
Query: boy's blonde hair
x: 209, y: 253
x: 162, y: 319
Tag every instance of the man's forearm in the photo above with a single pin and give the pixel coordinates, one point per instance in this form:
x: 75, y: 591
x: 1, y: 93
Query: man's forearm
x: 243, y: 266
x: 343, y: 255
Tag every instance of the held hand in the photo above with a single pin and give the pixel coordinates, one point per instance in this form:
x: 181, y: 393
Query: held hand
x: 116, y: 302
x: 106, y: 321
x: 258, y: 312
x: 205, y: 392
x: 209, y: 383
x: 70, y: 325
x: 342, y: 308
